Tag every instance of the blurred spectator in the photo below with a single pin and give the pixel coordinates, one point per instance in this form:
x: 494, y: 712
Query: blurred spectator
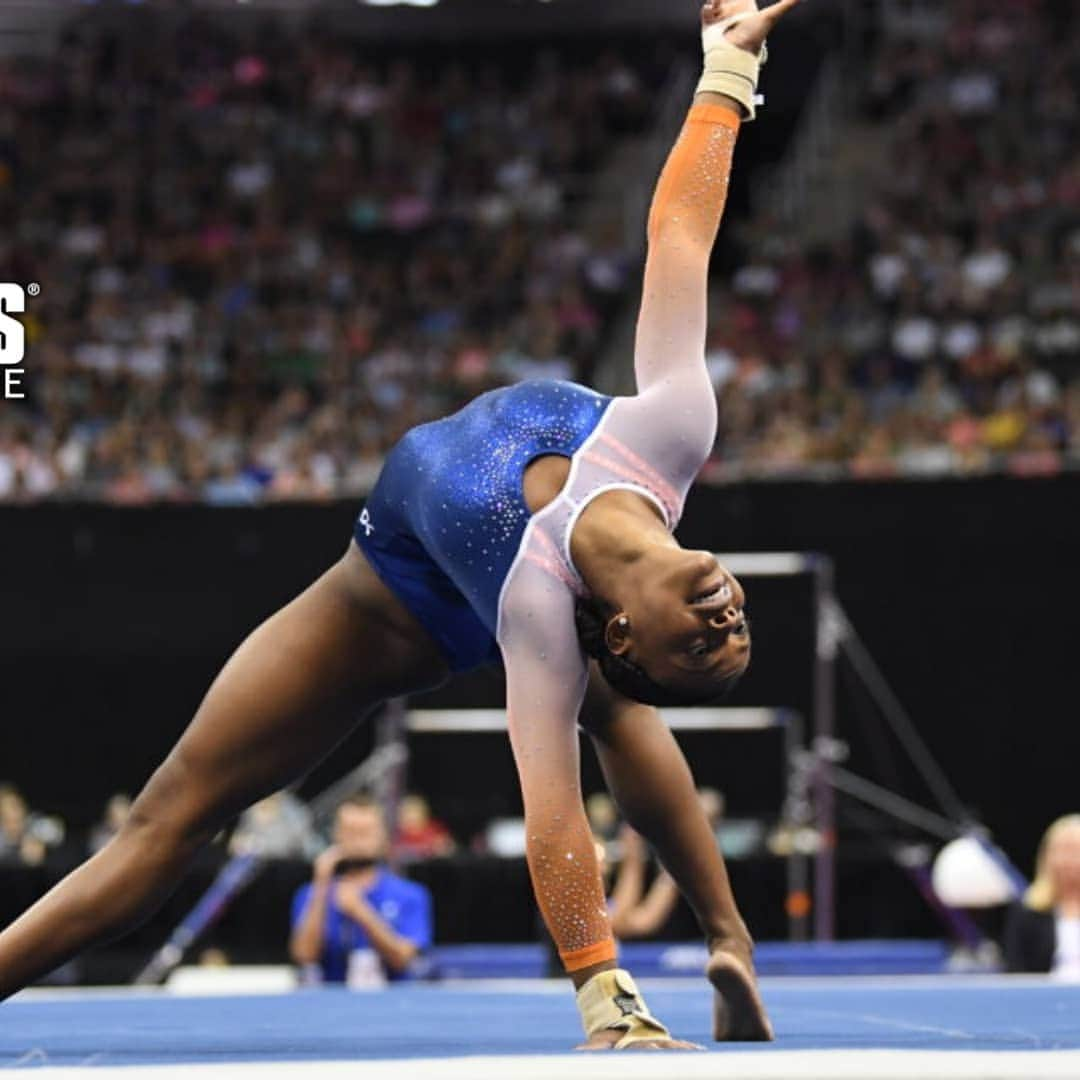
x: 212, y: 957
x: 356, y: 922
x: 943, y: 336
x: 117, y: 810
x: 635, y: 911
x: 260, y: 265
x: 602, y: 814
x: 419, y: 835
x: 277, y: 827
x: 713, y: 804
x: 1043, y: 931
x: 25, y: 837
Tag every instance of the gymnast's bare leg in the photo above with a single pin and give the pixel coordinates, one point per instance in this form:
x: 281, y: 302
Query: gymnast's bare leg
x: 289, y: 693
x: 651, y: 782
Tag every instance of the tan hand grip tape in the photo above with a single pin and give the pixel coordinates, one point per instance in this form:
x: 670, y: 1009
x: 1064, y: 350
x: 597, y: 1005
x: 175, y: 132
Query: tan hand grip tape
x: 610, y: 1001
x: 730, y: 70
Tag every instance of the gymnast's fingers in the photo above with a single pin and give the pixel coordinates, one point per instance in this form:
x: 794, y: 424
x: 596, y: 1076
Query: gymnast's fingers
x: 599, y: 1043
x: 665, y: 1044
x: 774, y: 12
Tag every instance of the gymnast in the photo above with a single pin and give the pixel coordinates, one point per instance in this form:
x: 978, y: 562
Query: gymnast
x: 535, y: 523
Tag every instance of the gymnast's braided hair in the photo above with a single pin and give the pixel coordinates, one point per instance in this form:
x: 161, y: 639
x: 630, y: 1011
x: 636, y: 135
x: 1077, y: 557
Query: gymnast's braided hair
x: 627, y: 676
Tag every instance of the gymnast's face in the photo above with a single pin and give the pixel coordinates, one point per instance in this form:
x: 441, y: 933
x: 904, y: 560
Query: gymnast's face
x: 687, y: 627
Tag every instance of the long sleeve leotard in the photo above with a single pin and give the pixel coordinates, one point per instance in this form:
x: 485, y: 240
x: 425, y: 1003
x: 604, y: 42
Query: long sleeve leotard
x: 654, y: 442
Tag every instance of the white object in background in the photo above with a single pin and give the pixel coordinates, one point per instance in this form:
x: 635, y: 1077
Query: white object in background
x: 199, y: 981
x: 966, y: 876
x: 506, y: 837
x: 365, y: 971
x: 1067, y: 954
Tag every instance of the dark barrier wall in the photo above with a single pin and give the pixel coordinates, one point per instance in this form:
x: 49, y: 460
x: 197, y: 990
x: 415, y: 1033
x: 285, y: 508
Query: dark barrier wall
x: 967, y: 593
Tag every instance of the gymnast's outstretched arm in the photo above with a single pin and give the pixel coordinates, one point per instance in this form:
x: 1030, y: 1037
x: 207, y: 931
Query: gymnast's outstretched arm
x: 675, y: 410
x: 683, y: 222
x: 692, y: 191
x: 545, y: 683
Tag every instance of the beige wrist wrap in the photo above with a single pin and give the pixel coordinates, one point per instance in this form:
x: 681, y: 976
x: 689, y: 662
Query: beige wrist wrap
x: 730, y: 70
x: 610, y: 1001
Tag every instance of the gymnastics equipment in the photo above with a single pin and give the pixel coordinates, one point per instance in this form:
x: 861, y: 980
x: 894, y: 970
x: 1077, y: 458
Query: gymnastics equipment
x: 971, y: 871
x: 787, y: 722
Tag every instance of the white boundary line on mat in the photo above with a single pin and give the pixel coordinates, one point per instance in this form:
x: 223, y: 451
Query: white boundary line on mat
x: 767, y: 1065
x: 656, y: 983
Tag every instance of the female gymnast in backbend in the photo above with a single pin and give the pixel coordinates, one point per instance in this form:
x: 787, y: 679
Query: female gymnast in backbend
x: 536, y: 523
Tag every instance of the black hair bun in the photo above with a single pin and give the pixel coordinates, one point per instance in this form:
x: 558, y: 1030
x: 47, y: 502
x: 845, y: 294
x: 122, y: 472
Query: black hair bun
x: 590, y: 622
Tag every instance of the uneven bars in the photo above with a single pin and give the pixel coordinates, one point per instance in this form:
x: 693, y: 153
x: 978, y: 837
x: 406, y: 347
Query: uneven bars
x: 454, y: 721
x: 769, y: 563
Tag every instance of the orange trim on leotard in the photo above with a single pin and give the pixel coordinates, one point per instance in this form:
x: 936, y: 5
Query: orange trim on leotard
x: 669, y: 495
x: 712, y: 113
x: 684, y: 162
x: 597, y: 953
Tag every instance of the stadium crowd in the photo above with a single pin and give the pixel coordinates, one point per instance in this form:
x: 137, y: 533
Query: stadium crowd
x: 262, y: 262
x: 280, y: 826
x: 943, y: 335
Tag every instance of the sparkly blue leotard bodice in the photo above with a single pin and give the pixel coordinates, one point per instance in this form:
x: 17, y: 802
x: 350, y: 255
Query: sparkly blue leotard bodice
x: 446, y: 518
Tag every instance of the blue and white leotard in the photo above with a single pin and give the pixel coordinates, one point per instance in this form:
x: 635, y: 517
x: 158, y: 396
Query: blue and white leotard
x: 447, y: 516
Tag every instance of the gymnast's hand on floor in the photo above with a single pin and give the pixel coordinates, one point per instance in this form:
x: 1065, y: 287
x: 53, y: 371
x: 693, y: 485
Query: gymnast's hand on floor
x: 615, y: 1016
x: 606, y: 1040
x: 750, y: 33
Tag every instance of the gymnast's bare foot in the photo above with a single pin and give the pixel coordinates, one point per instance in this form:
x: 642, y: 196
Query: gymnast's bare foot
x: 738, y: 1011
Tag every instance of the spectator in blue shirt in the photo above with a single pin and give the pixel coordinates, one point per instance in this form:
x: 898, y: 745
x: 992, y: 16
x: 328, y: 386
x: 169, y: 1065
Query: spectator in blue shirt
x: 357, y: 922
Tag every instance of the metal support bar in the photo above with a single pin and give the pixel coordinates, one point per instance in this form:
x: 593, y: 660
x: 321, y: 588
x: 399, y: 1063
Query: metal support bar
x: 493, y: 721
x: 456, y: 721
x: 824, y: 799
x: 896, y: 806
x: 798, y: 863
x: 895, y: 714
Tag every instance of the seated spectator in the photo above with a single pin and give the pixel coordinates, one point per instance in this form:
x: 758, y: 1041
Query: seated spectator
x: 213, y: 957
x: 278, y: 827
x: 222, y: 380
x: 356, y: 922
x: 635, y: 911
x: 1042, y: 933
x: 603, y: 815
x: 714, y: 805
x: 25, y: 837
x: 116, y: 813
x: 419, y: 835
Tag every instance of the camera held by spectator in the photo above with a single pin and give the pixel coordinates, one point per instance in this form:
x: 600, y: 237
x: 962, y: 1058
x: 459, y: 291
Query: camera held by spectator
x: 357, y: 922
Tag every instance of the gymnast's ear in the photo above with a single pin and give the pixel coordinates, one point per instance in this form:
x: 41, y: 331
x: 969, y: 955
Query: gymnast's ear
x: 617, y: 634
